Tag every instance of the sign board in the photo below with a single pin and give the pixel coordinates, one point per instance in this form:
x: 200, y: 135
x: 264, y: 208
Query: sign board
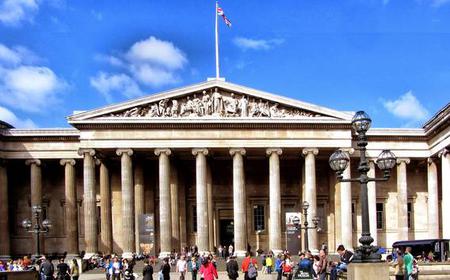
x: 299, y: 274
x: 292, y: 233
x: 147, y: 234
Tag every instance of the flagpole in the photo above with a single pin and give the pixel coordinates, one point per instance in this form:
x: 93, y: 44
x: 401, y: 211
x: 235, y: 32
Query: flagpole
x: 217, y: 42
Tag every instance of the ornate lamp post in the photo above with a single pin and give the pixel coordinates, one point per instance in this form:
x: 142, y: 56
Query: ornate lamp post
x: 38, y: 227
x: 386, y: 161
x: 296, y: 222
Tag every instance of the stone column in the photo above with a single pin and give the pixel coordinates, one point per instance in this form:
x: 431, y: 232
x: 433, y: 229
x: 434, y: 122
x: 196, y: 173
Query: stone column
x: 105, y: 209
x: 139, y: 198
x: 5, y: 247
x: 274, y: 200
x: 346, y: 209
x: 71, y: 207
x: 175, y: 207
x: 128, y: 241
x: 433, y: 203
x: 89, y: 202
x: 372, y: 200
x: 36, y: 191
x: 165, y: 215
x: 182, y: 218
x: 445, y: 175
x: 239, y: 202
x: 210, y: 208
x: 310, y: 195
x: 202, y: 200
x: 402, y: 199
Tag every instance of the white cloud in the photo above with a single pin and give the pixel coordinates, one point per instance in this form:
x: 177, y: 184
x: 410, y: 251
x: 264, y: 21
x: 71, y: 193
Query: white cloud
x: 157, y: 53
x: 253, y: 44
x: 153, y: 76
x: 9, y: 117
x: 30, y: 88
x: 17, y: 55
x: 12, y: 12
x: 151, y: 62
x: 407, y: 107
x: 106, y: 84
x: 438, y: 3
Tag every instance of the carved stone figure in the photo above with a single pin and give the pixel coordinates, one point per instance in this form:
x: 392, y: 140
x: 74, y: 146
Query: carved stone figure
x: 207, y: 105
x: 231, y: 104
x: 174, y: 109
x: 217, y: 103
x: 243, y: 107
x: 274, y: 111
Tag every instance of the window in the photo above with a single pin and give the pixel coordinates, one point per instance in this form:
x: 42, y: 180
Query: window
x: 410, y: 215
x: 258, y: 217
x: 354, y: 217
x: 194, y: 218
x: 380, y: 216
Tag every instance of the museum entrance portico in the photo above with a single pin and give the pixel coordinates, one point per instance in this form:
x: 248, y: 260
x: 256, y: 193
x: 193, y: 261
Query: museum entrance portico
x: 193, y: 160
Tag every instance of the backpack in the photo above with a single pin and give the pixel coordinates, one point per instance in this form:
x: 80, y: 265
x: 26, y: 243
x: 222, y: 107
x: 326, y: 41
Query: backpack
x: 252, y: 272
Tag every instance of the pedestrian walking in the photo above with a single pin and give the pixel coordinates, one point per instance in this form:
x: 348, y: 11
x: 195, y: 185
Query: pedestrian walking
x: 165, y: 269
x: 232, y: 268
x: 74, y: 270
x: 147, y: 271
x: 208, y: 270
x: 63, y: 270
x: 181, y: 267
x: 194, y: 266
x: 249, y: 267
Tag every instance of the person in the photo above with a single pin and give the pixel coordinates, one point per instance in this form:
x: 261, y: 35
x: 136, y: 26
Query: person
x: 181, y: 267
x: 397, y: 264
x: 232, y: 268
x: 316, y: 266
x: 288, y: 267
x: 346, y: 257
x: 269, y: 264
x: 46, y: 269
x: 63, y: 270
x: 208, y: 270
x: 323, y: 264
x: 194, y: 266
x: 249, y: 267
x: 165, y: 269
x: 408, y: 263
x: 279, y: 266
x: 220, y: 250
x: 2, y: 266
x: 147, y: 271
x: 74, y: 270
x: 115, y: 269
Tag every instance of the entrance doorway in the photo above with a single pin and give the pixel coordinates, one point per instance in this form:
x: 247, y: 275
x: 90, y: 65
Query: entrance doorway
x: 226, y: 232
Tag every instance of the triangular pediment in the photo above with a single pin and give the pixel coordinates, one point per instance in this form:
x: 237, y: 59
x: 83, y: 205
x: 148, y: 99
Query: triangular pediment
x: 211, y: 100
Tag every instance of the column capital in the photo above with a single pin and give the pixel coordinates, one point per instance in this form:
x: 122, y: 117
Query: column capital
x: 431, y: 160
x: 166, y: 151
x: 33, y: 161
x: 197, y: 151
x: 120, y: 152
x: 234, y: 151
x: 83, y: 151
x: 278, y: 151
x: 444, y: 152
x: 403, y: 160
x: 314, y: 151
x: 65, y: 161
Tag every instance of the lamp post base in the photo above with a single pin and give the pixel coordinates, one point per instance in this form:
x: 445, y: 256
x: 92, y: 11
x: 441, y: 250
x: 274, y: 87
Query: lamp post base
x: 367, y: 254
x: 367, y: 271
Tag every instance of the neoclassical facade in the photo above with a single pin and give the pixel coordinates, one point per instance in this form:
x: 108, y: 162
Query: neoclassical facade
x: 215, y: 163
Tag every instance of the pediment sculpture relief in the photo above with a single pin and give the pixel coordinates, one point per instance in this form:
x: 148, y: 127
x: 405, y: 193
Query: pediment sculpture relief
x: 214, y: 104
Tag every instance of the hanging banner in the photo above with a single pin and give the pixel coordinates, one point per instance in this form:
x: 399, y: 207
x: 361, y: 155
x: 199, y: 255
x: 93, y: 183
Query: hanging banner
x: 147, y: 234
x: 292, y: 233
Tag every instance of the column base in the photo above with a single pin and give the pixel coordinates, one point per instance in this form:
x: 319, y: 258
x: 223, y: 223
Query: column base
x: 240, y: 254
x: 127, y: 255
x: 5, y: 257
x: 89, y: 255
x: 276, y: 252
x: 367, y: 271
x: 163, y: 255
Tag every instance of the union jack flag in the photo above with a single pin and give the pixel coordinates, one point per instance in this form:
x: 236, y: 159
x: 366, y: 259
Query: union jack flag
x: 222, y: 14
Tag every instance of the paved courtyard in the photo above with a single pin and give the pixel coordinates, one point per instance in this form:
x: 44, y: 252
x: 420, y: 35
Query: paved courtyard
x: 174, y: 276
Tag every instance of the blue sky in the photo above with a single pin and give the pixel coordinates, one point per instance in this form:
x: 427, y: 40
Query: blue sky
x: 389, y: 58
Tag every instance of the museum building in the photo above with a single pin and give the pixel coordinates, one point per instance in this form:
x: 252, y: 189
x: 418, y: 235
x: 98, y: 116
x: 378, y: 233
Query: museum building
x: 212, y: 164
